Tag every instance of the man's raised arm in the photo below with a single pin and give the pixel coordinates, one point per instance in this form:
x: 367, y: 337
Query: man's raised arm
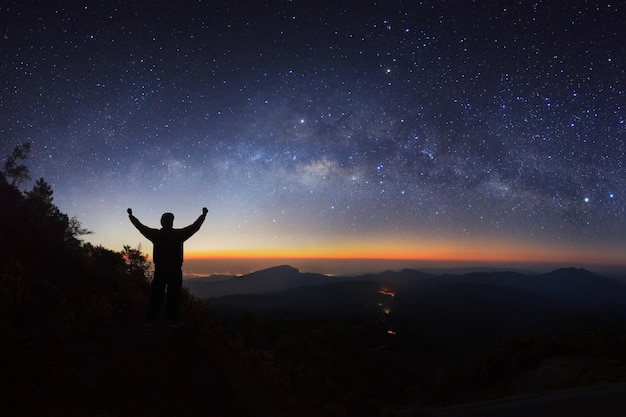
x: 144, y: 230
x: 193, y: 228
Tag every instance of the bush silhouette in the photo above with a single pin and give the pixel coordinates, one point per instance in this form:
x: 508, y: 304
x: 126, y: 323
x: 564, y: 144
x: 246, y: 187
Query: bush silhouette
x: 71, y: 335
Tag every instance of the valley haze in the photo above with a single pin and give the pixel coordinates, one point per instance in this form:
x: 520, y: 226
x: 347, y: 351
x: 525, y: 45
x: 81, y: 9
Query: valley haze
x: 207, y: 267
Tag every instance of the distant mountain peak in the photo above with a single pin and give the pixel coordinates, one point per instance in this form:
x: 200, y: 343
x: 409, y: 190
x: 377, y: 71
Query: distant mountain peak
x: 281, y: 272
x: 281, y: 269
x: 276, y: 271
x: 571, y: 271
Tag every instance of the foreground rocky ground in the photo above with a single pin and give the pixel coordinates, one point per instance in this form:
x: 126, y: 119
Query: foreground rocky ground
x: 131, y: 370
x: 607, y: 400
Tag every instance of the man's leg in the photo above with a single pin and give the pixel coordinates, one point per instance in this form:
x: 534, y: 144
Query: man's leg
x: 156, y: 295
x: 174, y: 286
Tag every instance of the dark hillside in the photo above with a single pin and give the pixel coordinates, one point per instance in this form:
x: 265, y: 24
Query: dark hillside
x: 578, y: 288
x: 401, y: 342
x: 331, y: 300
x: 473, y: 314
x: 72, y: 340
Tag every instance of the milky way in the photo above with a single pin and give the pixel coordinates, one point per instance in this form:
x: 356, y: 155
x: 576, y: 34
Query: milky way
x: 328, y: 126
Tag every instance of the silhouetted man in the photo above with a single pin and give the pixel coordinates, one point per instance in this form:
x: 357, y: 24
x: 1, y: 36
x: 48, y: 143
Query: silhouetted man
x: 168, y: 261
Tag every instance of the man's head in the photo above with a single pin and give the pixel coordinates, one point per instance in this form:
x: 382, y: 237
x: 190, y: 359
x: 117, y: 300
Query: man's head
x: 167, y: 220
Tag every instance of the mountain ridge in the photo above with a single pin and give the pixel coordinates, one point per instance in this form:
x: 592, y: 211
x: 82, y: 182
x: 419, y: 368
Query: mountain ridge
x: 487, y: 303
x: 582, y: 286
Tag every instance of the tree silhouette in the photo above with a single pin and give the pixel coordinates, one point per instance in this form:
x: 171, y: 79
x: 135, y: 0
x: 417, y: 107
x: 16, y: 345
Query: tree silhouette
x: 34, y: 234
x: 14, y: 170
x: 136, y: 263
x: 41, y: 195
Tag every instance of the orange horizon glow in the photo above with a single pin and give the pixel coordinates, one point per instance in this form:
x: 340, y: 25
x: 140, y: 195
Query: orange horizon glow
x: 487, y: 251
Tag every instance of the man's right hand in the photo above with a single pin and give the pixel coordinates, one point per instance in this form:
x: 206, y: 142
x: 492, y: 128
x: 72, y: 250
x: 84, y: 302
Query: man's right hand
x: 204, y: 211
x: 129, y: 211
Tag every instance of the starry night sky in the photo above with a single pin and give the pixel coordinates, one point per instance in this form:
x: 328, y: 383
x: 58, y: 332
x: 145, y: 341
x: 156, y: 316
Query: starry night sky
x: 460, y: 130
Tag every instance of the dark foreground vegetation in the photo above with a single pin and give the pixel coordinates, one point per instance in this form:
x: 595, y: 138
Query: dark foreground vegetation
x: 393, y: 344
x: 399, y: 343
x: 72, y: 341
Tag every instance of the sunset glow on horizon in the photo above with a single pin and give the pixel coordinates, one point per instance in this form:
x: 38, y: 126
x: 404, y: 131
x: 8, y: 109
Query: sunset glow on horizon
x: 440, y: 252
x: 452, y: 251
